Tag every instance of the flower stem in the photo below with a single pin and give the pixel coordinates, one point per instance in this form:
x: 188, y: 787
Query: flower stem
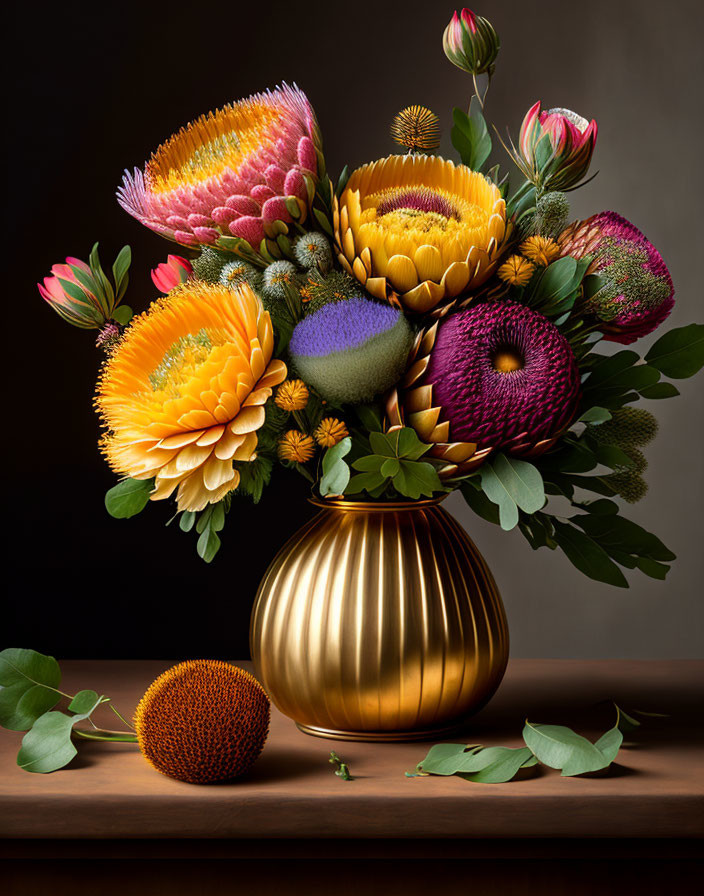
x: 105, y: 735
x: 121, y: 717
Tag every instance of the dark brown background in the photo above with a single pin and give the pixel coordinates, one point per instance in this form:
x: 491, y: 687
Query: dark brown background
x: 100, y: 85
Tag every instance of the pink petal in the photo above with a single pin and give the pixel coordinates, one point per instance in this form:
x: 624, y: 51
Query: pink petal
x: 307, y: 157
x: 206, y: 234
x: 275, y: 177
x: 275, y: 210
x: 295, y: 185
x: 248, y: 228
x: 243, y: 205
x: 262, y: 193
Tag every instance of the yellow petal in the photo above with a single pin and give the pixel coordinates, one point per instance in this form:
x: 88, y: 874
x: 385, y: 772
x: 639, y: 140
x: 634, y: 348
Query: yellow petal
x: 428, y: 263
x: 248, y: 420
x: 401, y: 273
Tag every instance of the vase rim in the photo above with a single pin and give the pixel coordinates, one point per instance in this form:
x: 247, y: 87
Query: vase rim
x: 375, y: 506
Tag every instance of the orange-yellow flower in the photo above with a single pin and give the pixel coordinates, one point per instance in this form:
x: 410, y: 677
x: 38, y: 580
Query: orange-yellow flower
x: 419, y: 230
x: 516, y: 270
x: 540, y: 249
x: 296, y: 446
x: 292, y: 395
x: 183, y: 395
x: 330, y: 431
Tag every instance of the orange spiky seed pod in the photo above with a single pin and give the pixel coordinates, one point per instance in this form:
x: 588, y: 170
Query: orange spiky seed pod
x: 203, y: 721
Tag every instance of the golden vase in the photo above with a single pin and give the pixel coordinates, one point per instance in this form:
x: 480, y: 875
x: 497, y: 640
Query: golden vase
x: 379, y: 622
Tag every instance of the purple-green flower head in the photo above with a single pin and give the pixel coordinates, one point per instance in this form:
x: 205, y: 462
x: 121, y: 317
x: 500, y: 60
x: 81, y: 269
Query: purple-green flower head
x: 502, y: 372
x: 312, y: 251
x: 351, y: 351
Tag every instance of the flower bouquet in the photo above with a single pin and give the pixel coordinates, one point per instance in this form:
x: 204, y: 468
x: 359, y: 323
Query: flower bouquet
x: 417, y: 325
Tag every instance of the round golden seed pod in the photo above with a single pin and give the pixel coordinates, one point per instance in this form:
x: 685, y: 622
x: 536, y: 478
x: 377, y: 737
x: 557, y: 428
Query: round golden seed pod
x: 203, y: 721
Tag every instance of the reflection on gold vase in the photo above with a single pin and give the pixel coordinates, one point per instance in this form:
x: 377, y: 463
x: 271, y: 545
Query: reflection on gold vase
x: 379, y: 622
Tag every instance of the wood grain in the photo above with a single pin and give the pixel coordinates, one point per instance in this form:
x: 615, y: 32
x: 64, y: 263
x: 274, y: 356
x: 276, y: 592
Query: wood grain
x: 656, y: 790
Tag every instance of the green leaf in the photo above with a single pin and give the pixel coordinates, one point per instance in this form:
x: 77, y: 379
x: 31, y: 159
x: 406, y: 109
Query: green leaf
x: 679, y: 353
x: 562, y: 748
x: 369, y: 463
x: 624, y: 722
x: 370, y: 417
x: 588, y: 556
x: 128, y: 498
x: 336, y: 472
x: 416, y: 478
x: 409, y: 446
x: 47, y: 747
x: 361, y: 482
x: 556, y: 282
x: 84, y: 702
x: 483, y: 765
x: 505, y: 765
x: 652, y: 568
x: 28, y: 682
x: 120, y: 270
x: 390, y: 467
x: 623, y: 534
x: 595, y: 416
x: 470, y: 136
x: 208, y: 545
x: 385, y: 444
x: 123, y: 314
x: 480, y: 504
x: 511, y: 484
x: 187, y: 521
x: 660, y: 390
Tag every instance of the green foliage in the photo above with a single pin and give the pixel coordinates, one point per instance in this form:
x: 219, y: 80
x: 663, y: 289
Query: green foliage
x: 336, y: 471
x: 28, y: 692
x: 255, y: 475
x: 394, y: 462
x: 210, y: 522
x: 512, y: 484
x: 679, y: 353
x: 128, y: 498
x: 554, y: 746
x: 470, y: 136
x: 28, y: 687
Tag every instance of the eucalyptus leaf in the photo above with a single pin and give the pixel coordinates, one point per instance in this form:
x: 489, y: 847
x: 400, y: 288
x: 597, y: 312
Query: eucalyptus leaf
x: 512, y: 483
x: 48, y: 746
x: 84, y: 702
x: 28, y: 683
x: 208, y: 545
x: 595, y: 416
x: 128, y: 498
x: 187, y: 521
x: 336, y: 472
x: 480, y: 503
x: 562, y: 748
x: 504, y: 767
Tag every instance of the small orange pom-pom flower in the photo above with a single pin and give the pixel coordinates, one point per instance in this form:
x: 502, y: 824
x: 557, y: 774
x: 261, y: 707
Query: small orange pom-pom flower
x: 540, y: 249
x: 292, y: 395
x: 516, y: 271
x: 297, y: 447
x: 203, y: 721
x: 330, y: 431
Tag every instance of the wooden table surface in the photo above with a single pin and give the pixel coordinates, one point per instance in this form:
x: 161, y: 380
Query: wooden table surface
x: 656, y: 789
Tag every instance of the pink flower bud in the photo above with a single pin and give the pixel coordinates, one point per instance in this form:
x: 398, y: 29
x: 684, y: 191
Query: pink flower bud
x: 471, y: 43
x: 170, y: 273
x: 555, y: 147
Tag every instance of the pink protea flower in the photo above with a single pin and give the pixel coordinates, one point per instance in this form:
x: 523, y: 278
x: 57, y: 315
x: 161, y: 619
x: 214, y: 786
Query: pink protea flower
x: 171, y: 272
x: 503, y: 375
x: 245, y: 171
x: 639, y: 293
x: 471, y: 43
x: 555, y: 148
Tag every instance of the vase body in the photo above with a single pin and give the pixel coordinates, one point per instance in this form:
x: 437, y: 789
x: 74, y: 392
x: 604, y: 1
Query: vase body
x: 379, y: 622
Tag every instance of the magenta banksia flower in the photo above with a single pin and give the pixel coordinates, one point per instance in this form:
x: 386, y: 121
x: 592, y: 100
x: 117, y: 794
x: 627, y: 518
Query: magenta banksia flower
x: 246, y: 171
x: 555, y: 148
x: 639, y: 293
x: 502, y: 373
x: 471, y: 43
x: 170, y: 273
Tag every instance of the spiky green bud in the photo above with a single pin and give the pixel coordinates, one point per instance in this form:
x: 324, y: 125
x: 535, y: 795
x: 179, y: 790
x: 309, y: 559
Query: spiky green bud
x: 551, y: 214
x: 210, y: 263
x: 628, y: 428
x: 319, y: 289
x: 629, y: 485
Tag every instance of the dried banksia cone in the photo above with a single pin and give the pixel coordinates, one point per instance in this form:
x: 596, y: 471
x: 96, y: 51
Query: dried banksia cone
x: 203, y: 721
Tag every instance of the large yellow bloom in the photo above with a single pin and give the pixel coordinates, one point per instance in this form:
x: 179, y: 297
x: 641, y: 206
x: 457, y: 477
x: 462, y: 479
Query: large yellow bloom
x: 183, y: 394
x: 419, y: 229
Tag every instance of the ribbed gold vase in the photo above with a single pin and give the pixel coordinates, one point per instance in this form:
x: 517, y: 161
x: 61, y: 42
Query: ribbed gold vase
x: 379, y: 622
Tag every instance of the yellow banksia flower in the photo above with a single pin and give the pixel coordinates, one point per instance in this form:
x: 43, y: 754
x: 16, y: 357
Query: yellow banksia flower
x: 296, y: 446
x: 182, y: 396
x: 330, y: 431
x: 540, y: 249
x: 292, y: 395
x: 418, y: 230
x: 516, y: 271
